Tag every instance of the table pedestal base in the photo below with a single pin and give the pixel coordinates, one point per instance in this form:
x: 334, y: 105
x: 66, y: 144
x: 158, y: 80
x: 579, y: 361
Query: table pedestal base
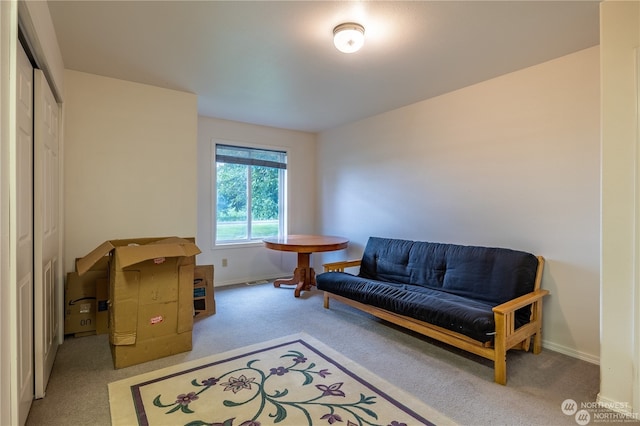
x: 304, y: 277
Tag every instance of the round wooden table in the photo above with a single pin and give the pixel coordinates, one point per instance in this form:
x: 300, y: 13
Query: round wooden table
x: 304, y: 277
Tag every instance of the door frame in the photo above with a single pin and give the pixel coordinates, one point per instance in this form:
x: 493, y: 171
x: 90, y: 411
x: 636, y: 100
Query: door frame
x: 8, y: 67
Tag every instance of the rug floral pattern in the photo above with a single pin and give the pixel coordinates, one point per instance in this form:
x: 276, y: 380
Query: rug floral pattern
x: 292, y: 383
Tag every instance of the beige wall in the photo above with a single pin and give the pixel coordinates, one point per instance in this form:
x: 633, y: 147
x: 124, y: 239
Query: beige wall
x: 130, y: 156
x: 619, y: 335
x: 510, y: 162
x: 251, y: 262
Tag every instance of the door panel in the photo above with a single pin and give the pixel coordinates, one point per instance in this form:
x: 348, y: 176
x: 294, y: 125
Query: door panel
x: 23, y: 375
x: 46, y: 234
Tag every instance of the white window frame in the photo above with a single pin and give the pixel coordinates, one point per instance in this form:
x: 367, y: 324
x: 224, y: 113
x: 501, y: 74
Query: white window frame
x: 283, y: 199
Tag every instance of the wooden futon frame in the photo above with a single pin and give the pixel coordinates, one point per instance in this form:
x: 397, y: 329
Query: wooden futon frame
x: 506, y: 337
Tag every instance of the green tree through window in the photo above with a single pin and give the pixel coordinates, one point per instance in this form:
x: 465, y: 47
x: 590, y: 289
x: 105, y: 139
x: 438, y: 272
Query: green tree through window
x: 249, y: 193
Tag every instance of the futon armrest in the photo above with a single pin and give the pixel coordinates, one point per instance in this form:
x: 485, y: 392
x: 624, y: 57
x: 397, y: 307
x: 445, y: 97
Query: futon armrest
x: 520, y: 302
x: 340, y: 266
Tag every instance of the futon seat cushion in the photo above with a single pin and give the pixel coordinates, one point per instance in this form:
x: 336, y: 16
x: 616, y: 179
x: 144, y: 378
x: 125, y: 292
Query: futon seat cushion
x: 466, y: 316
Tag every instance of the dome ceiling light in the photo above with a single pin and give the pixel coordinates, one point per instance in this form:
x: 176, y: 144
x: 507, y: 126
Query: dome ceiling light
x: 348, y: 37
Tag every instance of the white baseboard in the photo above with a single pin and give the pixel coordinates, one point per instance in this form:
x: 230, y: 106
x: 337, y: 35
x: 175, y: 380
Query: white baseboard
x: 248, y: 281
x: 593, y: 359
x: 624, y: 409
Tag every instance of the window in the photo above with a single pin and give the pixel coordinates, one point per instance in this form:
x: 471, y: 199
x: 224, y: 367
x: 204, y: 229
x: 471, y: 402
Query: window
x: 250, y: 192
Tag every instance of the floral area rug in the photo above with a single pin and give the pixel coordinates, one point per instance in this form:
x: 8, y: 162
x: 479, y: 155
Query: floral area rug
x: 293, y: 381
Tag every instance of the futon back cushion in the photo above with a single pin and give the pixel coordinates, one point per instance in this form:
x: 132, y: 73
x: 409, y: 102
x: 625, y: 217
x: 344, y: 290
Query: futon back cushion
x: 489, y: 274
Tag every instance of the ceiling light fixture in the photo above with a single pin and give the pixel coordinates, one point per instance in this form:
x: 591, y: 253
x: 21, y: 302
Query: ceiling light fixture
x: 348, y: 37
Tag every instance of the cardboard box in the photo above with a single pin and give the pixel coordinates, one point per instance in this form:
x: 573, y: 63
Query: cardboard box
x: 80, y: 304
x: 204, y: 303
x: 81, y: 299
x: 150, y: 296
x: 102, y: 306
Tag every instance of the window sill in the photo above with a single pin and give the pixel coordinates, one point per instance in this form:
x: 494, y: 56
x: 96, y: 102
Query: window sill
x: 244, y: 244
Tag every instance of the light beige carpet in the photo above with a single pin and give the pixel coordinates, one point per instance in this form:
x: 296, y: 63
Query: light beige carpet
x: 295, y: 380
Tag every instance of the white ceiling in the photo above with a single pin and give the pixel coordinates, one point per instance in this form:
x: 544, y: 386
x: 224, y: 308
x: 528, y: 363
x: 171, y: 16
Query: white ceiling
x: 274, y: 63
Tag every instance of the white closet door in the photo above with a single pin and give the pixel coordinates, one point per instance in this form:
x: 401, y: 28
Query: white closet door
x: 47, y: 289
x: 22, y: 243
